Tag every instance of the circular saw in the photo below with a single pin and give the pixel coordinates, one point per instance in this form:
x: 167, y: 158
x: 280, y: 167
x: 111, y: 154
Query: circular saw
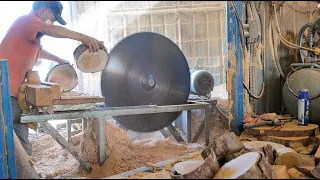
x: 146, y: 69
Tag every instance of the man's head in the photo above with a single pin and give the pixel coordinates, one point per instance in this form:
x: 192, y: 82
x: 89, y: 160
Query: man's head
x: 49, y: 10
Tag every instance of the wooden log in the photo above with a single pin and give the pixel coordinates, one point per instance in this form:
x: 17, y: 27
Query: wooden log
x: 223, y: 145
x: 25, y: 169
x: 64, y: 75
x: 196, y: 169
x: 290, y: 129
x: 280, y: 172
x: 39, y: 95
x: 247, y: 166
x: 90, y: 62
x: 268, y: 152
x: 293, y: 142
x: 56, y: 93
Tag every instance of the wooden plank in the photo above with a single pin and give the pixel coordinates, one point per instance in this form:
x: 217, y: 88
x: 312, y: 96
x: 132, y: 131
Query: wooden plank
x: 55, y: 89
x: 74, y: 97
x: 289, y: 129
x: 39, y: 95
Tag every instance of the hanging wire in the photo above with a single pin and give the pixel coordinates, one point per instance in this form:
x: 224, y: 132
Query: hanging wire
x: 241, y: 29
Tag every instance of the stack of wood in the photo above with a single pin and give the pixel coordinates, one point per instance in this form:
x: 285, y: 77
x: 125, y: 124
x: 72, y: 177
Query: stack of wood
x: 228, y: 158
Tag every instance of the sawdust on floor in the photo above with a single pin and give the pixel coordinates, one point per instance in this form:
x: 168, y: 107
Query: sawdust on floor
x: 123, y: 155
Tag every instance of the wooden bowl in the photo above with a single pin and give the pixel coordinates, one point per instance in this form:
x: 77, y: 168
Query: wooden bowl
x: 64, y: 75
x: 90, y: 62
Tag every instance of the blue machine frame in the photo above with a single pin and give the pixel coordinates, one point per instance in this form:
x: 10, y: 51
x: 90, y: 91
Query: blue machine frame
x: 235, y: 69
x: 7, y: 155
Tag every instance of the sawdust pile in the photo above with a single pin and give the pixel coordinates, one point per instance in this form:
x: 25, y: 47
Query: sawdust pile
x: 123, y: 155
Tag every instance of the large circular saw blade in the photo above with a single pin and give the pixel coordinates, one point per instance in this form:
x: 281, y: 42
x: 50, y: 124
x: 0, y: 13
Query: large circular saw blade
x: 146, y: 69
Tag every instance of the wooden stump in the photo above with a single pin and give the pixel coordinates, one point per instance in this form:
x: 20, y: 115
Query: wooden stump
x: 290, y: 129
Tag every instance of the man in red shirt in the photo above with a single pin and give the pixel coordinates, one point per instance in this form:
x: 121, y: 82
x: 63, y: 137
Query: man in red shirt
x: 21, y: 47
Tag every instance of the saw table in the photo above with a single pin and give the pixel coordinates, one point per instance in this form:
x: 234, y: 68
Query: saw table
x: 83, y: 106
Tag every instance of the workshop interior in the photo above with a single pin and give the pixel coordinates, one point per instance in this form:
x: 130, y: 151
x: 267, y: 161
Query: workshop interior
x: 179, y: 90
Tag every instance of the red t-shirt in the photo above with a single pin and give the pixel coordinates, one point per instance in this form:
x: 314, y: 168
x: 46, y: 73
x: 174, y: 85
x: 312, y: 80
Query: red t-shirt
x: 21, y: 47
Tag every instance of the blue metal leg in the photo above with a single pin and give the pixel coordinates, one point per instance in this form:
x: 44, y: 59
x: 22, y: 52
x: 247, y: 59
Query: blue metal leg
x: 235, y: 70
x: 6, y: 118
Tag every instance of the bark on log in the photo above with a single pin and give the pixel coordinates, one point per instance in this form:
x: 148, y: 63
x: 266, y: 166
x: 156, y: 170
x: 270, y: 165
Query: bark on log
x: 223, y: 145
x: 25, y: 169
x: 251, y: 165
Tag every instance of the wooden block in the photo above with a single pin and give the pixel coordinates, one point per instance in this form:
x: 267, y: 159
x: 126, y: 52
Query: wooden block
x: 56, y: 94
x: 39, y: 95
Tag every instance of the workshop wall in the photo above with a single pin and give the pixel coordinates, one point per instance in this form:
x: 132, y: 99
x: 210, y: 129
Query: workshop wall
x: 197, y: 27
x: 291, y: 19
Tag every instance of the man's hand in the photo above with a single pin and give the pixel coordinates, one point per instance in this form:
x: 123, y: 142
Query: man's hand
x: 92, y: 43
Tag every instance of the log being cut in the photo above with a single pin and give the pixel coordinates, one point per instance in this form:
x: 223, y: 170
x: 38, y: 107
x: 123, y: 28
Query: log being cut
x: 90, y: 62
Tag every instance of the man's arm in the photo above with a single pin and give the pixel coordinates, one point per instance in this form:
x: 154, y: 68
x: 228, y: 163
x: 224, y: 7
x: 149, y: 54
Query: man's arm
x: 46, y: 55
x: 62, y: 32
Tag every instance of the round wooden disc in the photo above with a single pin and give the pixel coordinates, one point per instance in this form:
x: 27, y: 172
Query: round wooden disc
x: 64, y: 75
x: 90, y: 62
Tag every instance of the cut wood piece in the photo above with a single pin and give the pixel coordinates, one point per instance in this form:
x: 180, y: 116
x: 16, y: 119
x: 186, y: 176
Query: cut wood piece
x: 292, y: 142
x: 223, y: 145
x: 39, y: 95
x: 33, y: 77
x: 280, y: 172
x: 268, y: 153
x: 295, y: 174
x: 246, y: 166
x: 90, y: 62
x: 294, y: 159
x: 290, y: 129
x: 196, y: 169
x: 56, y: 94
